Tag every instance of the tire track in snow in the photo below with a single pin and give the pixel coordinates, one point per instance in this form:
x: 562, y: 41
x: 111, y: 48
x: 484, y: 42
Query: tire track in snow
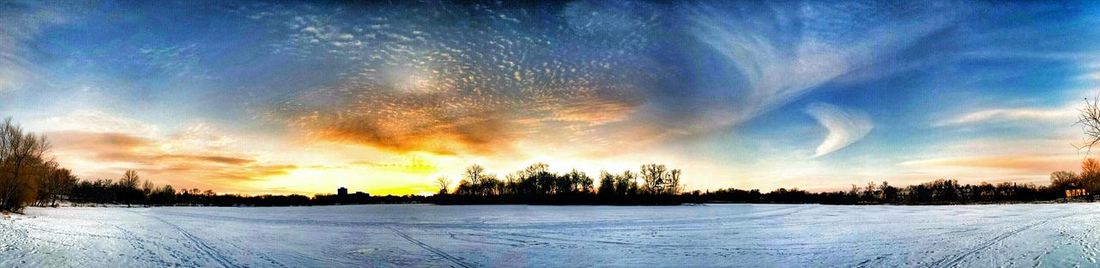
x: 954, y: 262
x: 453, y: 259
x: 137, y: 243
x: 201, y: 246
x: 261, y: 256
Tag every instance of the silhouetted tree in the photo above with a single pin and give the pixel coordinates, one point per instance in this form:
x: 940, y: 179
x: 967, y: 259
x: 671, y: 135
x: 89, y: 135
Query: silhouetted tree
x: 147, y: 189
x: 1063, y: 180
x: 672, y: 183
x: 1090, y: 175
x: 127, y: 190
x: 163, y: 196
x: 54, y: 184
x: 607, y: 185
x: 889, y: 193
x: 627, y: 184
x: 22, y: 156
x: 443, y: 183
x: 1089, y: 120
x: 659, y: 180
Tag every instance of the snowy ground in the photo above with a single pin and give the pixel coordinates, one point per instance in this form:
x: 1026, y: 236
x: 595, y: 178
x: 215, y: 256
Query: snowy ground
x: 473, y: 236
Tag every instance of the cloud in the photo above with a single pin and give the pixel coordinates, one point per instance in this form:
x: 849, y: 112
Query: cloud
x: 420, y: 82
x: 460, y: 122
x: 97, y: 144
x: 1039, y: 164
x: 21, y: 22
x: 106, y: 155
x: 770, y: 55
x: 845, y: 126
x: 1010, y: 115
x: 94, y: 121
x: 427, y: 84
x: 119, y: 147
x: 173, y: 60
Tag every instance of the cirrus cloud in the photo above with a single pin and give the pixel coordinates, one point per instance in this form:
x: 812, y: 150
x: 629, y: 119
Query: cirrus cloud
x: 845, y: 126
x: 1009, y: 115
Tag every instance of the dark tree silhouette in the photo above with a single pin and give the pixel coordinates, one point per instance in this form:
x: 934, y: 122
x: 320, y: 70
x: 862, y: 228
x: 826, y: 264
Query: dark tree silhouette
x: 1090, y: 175
x: 1064, y: 180
x: 443, y: 183
x: 1089, y: 120
x: 22, y: 164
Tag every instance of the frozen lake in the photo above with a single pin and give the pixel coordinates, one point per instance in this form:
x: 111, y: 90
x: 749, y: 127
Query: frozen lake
x: 475, y: 236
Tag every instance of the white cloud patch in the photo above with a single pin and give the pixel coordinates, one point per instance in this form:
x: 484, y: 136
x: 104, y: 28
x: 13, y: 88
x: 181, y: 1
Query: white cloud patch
x: 845, y: 126
x: 95, y: 121
x: 1010, y: 115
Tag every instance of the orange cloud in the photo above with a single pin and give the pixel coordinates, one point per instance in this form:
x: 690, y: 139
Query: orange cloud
x: 98, y: 141
x: 106, y: 155
x: 219, y: 173
x: 1027, y: 163
x: 451, y: 122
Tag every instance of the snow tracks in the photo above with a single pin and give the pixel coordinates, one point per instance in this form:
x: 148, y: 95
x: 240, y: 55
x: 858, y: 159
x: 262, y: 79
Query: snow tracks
x: 444, y: 255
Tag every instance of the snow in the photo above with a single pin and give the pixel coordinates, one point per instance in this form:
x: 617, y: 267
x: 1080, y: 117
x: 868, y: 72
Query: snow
x: 572, y: 236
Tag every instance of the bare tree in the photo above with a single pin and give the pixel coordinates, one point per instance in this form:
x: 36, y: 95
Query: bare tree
x: 129, y: 179
x: 475, y: 173
x: 1090, y: 175
x: 128, y: 191
x: 53, y: 182
x: 627, y: 184
x: 443, y: 183
x: 654, y: 176
x: 1089, y: 120
x: 1062, y: 180
x: 673, y: 182
x: 147, y: 188
x: 607, y: 184
x: 21, y: 160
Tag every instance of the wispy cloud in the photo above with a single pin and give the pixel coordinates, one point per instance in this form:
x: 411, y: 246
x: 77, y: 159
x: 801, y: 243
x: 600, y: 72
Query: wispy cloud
x: 1040, y: 164
x: 105, y: 155
x: 1001, y: 115
x: 21, y: 23
x: 94, y: 121
x: 845, y: 126
x: 98, y: 144
x: 779, y: 52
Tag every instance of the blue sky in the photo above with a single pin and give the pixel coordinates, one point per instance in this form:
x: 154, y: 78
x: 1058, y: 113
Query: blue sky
x: 303, y: 97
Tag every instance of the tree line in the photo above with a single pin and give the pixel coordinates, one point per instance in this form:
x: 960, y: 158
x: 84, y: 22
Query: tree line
x: 30, y: 177
x: 27, y: 174
x: 536, y: 184
x: 657, y: 184
x: 128, y: 191
x: 937, y: 192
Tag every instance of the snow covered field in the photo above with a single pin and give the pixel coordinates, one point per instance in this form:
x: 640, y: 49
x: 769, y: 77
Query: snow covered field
x: 474, y: 236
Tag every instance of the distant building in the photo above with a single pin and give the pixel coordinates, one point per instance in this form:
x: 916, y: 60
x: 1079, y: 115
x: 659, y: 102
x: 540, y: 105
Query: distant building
x: 342, y: 191
x: 1073, y: 193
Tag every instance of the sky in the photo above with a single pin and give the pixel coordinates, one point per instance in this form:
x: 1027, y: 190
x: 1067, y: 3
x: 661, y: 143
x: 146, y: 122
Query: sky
x: 296, y: 97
